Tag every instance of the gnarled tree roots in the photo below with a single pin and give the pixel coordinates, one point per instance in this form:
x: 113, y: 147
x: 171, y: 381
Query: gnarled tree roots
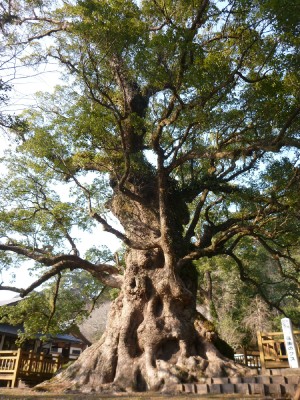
x: 143, y: 351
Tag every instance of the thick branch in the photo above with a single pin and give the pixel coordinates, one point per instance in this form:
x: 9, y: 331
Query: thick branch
x: 106, y: 273
x: 61, y: 26
x: 199, y: 19
x: 191, y: 230
x: 242, y: 152
x: 108, y: 228
x: 121, y: 236
x: 287, y: 125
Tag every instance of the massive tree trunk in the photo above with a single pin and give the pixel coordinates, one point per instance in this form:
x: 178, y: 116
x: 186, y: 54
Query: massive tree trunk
x: 154, y: 336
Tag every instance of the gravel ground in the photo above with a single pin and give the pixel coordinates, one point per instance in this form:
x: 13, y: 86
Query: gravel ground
x: 27, y: 394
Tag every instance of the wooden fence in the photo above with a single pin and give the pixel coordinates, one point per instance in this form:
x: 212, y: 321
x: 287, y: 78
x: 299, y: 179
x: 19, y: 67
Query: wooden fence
x: 27, y: 366
x: 272, y: 349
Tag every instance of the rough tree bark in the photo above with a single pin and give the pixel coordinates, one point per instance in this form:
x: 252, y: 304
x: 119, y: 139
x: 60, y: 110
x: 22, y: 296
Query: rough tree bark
x: 154, y: 336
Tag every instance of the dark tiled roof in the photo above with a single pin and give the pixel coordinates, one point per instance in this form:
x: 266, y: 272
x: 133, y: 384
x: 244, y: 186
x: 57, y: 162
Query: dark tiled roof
x: 10, y: 330
x: 67, y: 338
x: 13, y: 331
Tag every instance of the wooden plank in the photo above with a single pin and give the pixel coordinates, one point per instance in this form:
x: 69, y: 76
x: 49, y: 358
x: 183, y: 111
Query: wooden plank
x: 275, y: 365
x: 6, y: 371
x: 13, y: 352
x: 253, y: 352
x: 277, y: 333
x: 4, y: 377
x: 15, y: 374
x: 261, y: 351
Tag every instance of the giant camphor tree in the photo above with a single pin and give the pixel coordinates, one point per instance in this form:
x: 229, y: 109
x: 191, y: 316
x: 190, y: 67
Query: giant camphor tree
x: 180, y: 118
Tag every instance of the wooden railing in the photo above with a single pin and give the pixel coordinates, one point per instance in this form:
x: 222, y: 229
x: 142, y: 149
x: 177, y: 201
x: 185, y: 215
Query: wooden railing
x: 249, y: 358
x: 272, y: 349
x: 30, y: 366
x: 9, y: 363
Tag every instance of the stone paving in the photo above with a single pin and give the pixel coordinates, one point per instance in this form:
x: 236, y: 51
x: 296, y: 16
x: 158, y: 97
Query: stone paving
x: 280, y: 383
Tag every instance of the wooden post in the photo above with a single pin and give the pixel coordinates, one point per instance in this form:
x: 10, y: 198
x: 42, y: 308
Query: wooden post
x: 30, y: 357
x: 16, y: 369
x: 261, y: 351
x: 59, y: 362
x: 2, y: 341
x: 43, y: 363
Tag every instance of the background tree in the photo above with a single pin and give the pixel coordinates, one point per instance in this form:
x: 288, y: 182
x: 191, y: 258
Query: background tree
x: 181, y: 119
x: 62, y: 306
x: 239, y: 309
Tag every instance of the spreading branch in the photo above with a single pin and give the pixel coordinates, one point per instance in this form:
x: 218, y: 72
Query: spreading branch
x: 107, y: 274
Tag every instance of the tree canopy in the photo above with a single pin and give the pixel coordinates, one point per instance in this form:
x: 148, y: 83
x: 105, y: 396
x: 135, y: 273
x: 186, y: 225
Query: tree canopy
x: 179, y: 117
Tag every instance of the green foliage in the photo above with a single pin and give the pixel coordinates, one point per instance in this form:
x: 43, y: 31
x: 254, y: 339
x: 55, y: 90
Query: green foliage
x: 240, y: 308
x: 54, y: 310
